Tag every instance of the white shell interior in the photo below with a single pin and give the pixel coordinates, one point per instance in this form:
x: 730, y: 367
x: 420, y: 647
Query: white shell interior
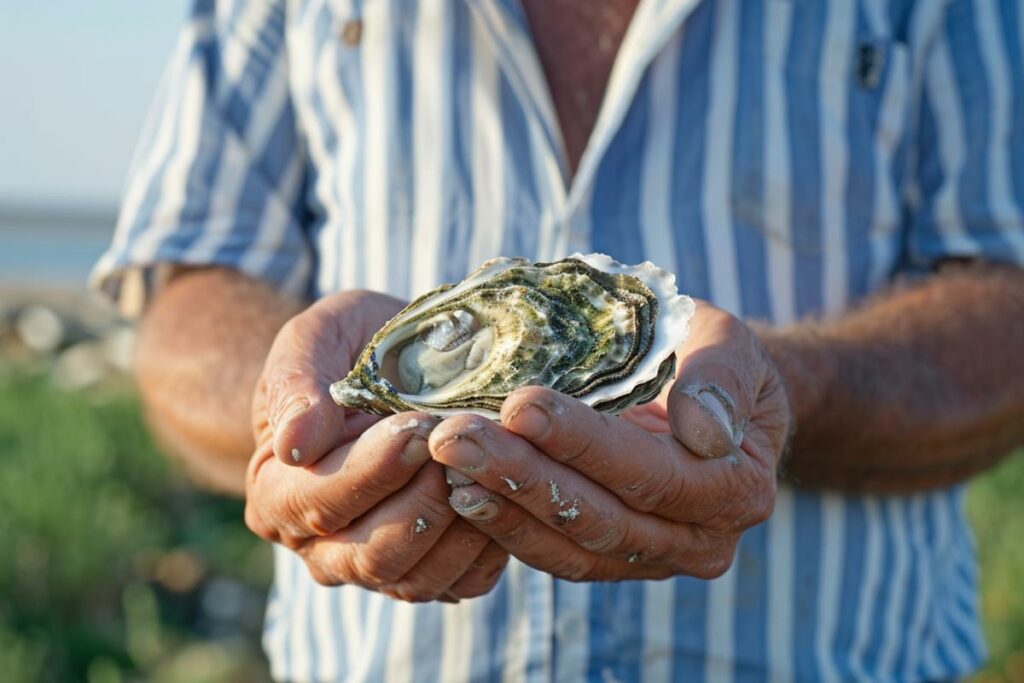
x: 670, y: 330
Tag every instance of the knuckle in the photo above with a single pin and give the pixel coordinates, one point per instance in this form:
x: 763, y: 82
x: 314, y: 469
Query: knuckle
x: 610, y: 540
x: 424, y: 583
x: 754, y: 497
x: 319, y: 521
x: 376, y: 566
x: 481, y: 584
x: 582, y: 444
x: 322, y: 577
x: 513, y: 534
x: 763, y: 508
x: 255, y: 522
x: 260, y: 466
x: 293, y: 508
x: 293, y: 542
x: 711, y: 565
x: 610, y: 536
x: 575, y: 568
x: 656, y: 492
x: 716, y: 567
x: 327, y: 566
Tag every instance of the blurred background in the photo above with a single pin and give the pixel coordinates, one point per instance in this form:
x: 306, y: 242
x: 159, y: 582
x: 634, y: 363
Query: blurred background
x: 112, y: 567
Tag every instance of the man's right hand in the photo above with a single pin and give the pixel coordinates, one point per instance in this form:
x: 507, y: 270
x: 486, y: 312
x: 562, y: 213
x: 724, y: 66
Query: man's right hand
x: 359, y: 499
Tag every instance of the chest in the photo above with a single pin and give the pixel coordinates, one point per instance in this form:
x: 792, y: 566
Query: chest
x: 576, y: 43
x: 738, y: 143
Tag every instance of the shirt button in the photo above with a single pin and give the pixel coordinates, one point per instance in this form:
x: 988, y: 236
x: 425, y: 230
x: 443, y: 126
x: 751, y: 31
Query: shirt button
x: 569, y: 627
x: 352, y: 32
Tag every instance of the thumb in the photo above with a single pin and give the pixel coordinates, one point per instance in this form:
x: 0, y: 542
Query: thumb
x: 311, y: 426
x: 715, y: 389
x: 305, y: 422
x: 703, y: 417
x: 314, y: 349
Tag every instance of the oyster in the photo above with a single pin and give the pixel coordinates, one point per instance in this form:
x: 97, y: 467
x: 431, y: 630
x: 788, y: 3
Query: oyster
x: 587, y: 326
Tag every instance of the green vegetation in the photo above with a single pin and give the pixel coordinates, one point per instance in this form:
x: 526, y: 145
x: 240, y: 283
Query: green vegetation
x: 113, y: 568
x: 996, y: 507
x: 112, y: 565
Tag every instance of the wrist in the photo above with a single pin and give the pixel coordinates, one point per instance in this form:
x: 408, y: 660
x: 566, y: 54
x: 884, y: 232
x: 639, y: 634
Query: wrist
x: 807, y: 372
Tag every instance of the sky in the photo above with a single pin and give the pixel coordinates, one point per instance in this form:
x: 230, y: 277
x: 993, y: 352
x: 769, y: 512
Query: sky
x: 76, y: 80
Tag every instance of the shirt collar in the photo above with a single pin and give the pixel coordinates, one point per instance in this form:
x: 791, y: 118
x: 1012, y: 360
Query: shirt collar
x: 653, y: 25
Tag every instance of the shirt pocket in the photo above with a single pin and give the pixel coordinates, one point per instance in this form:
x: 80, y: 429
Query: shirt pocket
x: 835, y: 149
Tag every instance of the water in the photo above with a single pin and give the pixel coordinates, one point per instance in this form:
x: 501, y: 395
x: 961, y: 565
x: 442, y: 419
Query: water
x: 52, y: 244
x: 50, y: 256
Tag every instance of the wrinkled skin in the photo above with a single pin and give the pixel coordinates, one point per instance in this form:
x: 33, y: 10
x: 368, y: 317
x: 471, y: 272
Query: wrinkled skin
x: 358, y: 498
x: 663, y: 490
x: 666, y: 489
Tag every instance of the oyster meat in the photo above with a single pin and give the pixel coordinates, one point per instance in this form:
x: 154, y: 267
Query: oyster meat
x: 587, y: 326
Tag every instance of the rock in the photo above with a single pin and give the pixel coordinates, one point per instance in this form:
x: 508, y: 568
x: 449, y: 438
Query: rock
x: 119, y: 347
x: 80, y: 366
x: 40, y: 328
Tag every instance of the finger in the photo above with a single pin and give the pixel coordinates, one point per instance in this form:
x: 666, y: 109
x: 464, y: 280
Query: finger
x: 543, y: 548
x: 312, y: 350
x: 388, y: 541
x: 720, y: 372
x: 560, y: 497
x: 650, y: 473
x: 644, y: 470
x: 483, y: 574
x: 299, y: 502
x: 451, y: 557
x: 307, y: 355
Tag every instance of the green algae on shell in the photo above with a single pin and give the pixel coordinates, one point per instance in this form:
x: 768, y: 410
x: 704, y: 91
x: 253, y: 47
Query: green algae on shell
x: 587, y: 326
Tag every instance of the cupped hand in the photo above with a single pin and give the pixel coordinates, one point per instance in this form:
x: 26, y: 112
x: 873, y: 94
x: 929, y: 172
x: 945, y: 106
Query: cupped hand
x: 666, y: 489
x: 355, y: 496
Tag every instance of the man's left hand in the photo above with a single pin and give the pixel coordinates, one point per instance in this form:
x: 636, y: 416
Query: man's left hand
x: 665, y: 489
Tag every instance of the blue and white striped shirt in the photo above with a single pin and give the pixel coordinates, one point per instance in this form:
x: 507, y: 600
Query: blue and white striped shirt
x: 784, y: 158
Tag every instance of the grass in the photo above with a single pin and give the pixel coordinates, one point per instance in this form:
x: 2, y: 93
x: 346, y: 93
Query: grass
x: 114, y: 566
x: 996, y: 508
x: 116, y: 569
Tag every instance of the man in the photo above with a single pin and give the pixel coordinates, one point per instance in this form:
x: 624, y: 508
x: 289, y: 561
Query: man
x: 849, y: 173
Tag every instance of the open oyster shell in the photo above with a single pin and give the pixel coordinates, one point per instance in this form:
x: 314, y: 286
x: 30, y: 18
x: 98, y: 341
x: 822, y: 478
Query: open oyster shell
x: 587, y: 326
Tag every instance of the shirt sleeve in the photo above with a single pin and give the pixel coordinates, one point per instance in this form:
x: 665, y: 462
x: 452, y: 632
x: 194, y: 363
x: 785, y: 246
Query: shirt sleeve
x: 218, y: 174
x: 968, y: 185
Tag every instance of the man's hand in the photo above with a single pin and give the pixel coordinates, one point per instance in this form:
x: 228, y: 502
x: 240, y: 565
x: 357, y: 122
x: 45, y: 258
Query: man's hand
x: 585, y: 496
x: 361, y: 506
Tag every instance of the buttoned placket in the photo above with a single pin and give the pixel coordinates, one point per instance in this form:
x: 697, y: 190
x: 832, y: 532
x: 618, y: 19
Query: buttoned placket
x: 567, y: 227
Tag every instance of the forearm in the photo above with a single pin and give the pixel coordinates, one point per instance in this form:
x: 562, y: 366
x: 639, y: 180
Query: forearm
x: 920, y: 388
x: 202, y: 344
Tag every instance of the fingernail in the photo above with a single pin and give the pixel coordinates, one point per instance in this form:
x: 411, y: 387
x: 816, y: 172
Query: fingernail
x: 456, y: 478
x: 461, y: 453
x: 467, y: 505
x: 416, y: 451
x: 530, y: 421
x: 720, y: 405
x: 281, y: 441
